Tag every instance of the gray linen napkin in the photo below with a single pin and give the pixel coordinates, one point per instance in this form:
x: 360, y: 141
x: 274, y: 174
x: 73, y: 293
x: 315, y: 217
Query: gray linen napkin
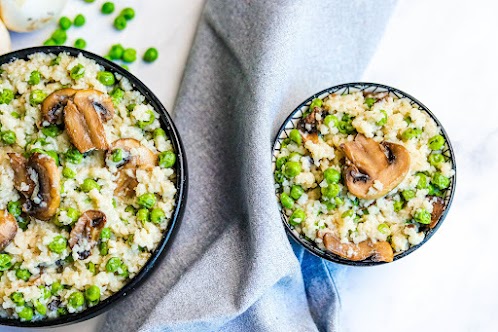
x: 231, y: 267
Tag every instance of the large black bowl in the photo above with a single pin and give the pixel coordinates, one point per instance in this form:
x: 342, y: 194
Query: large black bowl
x: 291, y: 123
x: 181, y: 187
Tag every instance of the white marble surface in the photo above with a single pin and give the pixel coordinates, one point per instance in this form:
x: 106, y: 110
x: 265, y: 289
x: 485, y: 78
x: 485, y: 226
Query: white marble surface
x: 443, y: 53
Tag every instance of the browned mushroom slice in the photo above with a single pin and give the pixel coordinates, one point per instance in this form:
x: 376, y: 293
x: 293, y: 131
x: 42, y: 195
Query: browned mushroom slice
x: 380, y: 251
x: 437, y: 210
x: 8, y: 229
x: 45, y: 198
x: 22, y: 182
x: 368, y: 161
x: 135, y: 156
x: 310, y: 123
x: 97, y: 101
x: 86, y: 231
x: 84, y: 128
x: 52, y: 107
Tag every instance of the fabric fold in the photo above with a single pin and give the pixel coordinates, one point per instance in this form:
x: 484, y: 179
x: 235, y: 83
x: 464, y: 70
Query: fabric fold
x: 231, y: 266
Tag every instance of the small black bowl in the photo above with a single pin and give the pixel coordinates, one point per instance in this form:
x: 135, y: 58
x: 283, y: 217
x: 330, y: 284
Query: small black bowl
x: 181, y: 187
x: 291, y: 123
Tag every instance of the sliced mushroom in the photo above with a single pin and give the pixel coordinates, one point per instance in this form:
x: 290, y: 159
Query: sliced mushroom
x: 310, y: 123
x: 86, y: 231
x: 380, y: 251
x: 53, y: 106
x: 45, y: 198
x: 437, y: 210
x: 96, y: 101
x: 368, y: 161
x: 136, y: 156
x: 22, y: 182
x: 8, y: 229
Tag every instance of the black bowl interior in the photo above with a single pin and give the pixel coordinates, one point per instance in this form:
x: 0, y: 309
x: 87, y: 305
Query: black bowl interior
x: 291, y: 123
x: 181, y: 186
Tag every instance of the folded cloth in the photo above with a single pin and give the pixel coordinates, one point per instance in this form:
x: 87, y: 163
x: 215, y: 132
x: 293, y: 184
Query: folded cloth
x: 231, y: 266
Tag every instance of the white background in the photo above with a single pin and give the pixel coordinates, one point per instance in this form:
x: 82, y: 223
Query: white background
x: 445, y: 54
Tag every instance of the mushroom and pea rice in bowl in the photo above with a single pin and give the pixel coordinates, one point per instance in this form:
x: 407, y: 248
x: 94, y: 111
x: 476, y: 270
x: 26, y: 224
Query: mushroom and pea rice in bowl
x: 87, y: 185
x: 363, y: 175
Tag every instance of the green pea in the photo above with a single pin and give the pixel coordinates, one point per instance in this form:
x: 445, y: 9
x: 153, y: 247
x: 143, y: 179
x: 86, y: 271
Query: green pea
x: 120, y: 23
x: 23, y: 223
x: 105, y: 234
x: 422, y: 181
x: 143, y: 215
x: 114, y: 203
x: 370, y: 101
x: 6, y: 96
x: 40, y: 308
x: 51, y: 131
x: 317, y: 102
x: 113, y: 264
x: 330, y: 205
x: 88, y: 185
x: 23, y: 274
x: 147, y: 200
x: 279, y: 177
x: 76, y: 300
x: 45, y: 292
x: 92, y: 293
x: 347, y: 214
x: 15, y: 115
x: 107, y: 8
x: 346, y: 127
x: 72, y: 214
x: 56, y: 287
x: 123, y: 271
x: 59, y: 36
x: 106, y: 78
x: 61, y: 311
x: 89, y: 1
x: 91, y: 267
x: 143, y: 124
x: 26, y: 314
x: 131, y: 107
x: 34, y: 77
x: 296, y: 192
x: 292, y: 168
x: 150, y: 55
x: 158, y: 132
x: 8, y: 137
x: 167, y: 159
x: 17, y: 298
x: 129, y: 55
x: 422, y: 216
x: 286, y: 201
x: 128, y: 13
x: 332, y: 175
x: 65, y: 23
x: 281, y: 162
x: 382, y: 121
x: 79, y: 20
x: 58, y: 244
x: 339, y: 201
x: 440, y: 181
x: 124, y: 66
x: 331, y: 119
x: 55, y: 61
x: 77, y: 72
x: 80, y: 43
x: 116, y: 51
x: 36, y: 97
x: 331, y: 191
x: 104, y: 248
x: 295, y: 135
x: 5, y: 262
x: 411, y: 133
x: 435, y: 159
x: 436, y: 142
x: 68, y: 173
x: 130, y: 209
x: 49, y: 42
x: 73, y: 156
x: 117, y: 155
x: 157, y: 216
x: 384, y: 229
x: 297, y: 217
x: 408, y: 194
x: 14, y: 208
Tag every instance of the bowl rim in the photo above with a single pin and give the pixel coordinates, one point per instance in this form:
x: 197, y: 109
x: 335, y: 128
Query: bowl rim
x: 181, y: 185
x: 360, y: 86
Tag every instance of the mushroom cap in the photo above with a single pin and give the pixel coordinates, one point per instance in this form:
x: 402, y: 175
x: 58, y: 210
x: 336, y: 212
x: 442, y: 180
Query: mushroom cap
x: 380, y: 251
x: 437, y: 210
x: 29, y: 15
x: 22, y: 182
x: 87, y: 231
x: 52, y: 107
x: 8, y: 228
x: 5, y: 46
x: 138, y: 156
x: 45, y: 199
x: 96, y: 100
x: 368, y: 161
